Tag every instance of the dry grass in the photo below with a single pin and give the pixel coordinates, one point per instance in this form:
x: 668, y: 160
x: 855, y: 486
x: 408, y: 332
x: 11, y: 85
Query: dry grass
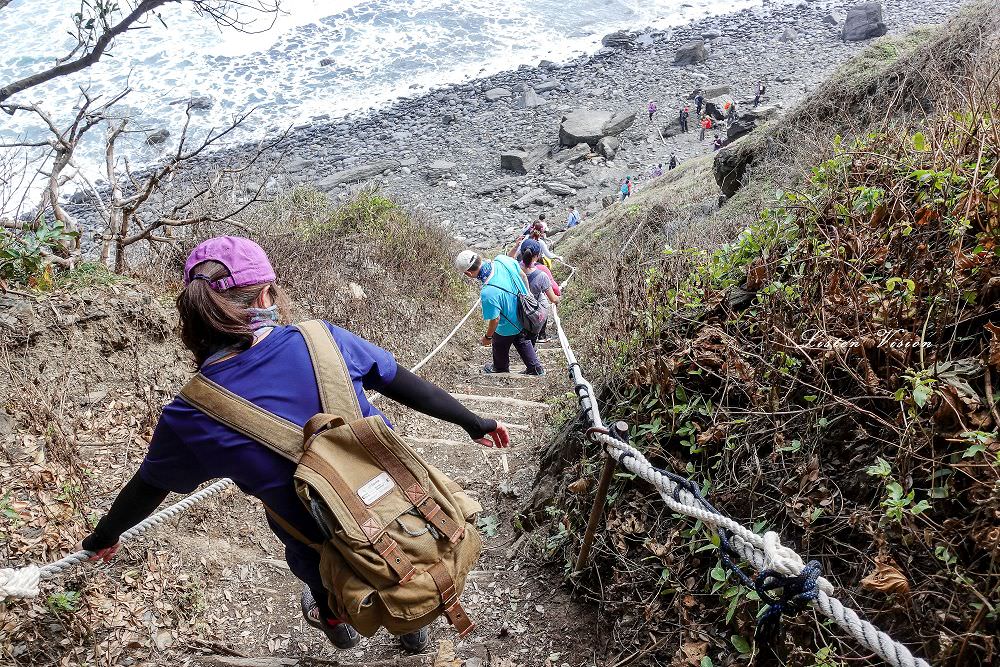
x: 760, y: 367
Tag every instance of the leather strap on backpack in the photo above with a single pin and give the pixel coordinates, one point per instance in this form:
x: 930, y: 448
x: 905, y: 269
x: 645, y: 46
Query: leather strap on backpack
x: 290, y: 529
x: 368, y: 522
x: 336, y: 389
x: 402, y: 475
x: 449, y: 600
x: 239, y: 414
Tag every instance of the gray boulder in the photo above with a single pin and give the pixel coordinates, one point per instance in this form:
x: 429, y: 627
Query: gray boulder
x: 158, y: 137
x: 557, y: 188
x: 739, y: 128
x: 691, y: 53
x: 583, y: 126
x: 546, y: 86
x: 356, y: 174
x: 617, y: 40
x: 715, y: 107
x: 618, y: 124
x: 529, y: 199
x: 201, y: 102
x: 529, y: 99
x: 863, y: 21
x: 833, y: 18
x: 522, y: 160
x: 789, y: 35
x: 439, y: 168
x: 608, y: 147
x: 497, y: 94
x: 574, y: 154
x: 711, y: 33
x: 587, y: 126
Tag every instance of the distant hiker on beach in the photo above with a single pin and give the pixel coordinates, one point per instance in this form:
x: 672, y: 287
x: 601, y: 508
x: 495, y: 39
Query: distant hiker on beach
x: 502, y: 281
x: 230, y: 311
x: 706, y: 124
x: 698, y: 102
x: 651, y: 109
x: 761, y: 88
x: 531, y: 225
x: 731, y: 111
x: 657, y: 170
x: 673, y: 162
x: 717, y: 144
x: 682, y: 118
x: 540, y: 282
x: 574, y: 218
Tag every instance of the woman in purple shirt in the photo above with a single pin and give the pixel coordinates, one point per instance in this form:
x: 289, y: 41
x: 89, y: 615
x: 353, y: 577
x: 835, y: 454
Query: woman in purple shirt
x: 229, y: 311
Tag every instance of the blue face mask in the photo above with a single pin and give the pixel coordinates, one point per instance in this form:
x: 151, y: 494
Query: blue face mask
x: 263, y: 317
x: 484, y: 272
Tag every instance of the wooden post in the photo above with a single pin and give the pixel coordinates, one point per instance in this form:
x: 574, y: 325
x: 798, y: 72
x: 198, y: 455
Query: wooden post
x: 597, y: 511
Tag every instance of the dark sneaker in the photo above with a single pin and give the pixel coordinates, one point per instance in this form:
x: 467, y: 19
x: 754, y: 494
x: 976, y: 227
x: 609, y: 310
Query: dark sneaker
x: 539, y: 372
x: 341, y: 635
x: 415, y: 642
x: 488, y: 369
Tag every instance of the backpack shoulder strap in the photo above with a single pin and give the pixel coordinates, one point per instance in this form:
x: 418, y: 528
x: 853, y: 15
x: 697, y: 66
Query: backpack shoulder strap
x: 239, y: 414
x: 336, y: 389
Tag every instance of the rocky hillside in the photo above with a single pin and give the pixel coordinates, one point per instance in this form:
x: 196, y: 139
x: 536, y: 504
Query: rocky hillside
x: 817, y: 353
x: 443, y: 151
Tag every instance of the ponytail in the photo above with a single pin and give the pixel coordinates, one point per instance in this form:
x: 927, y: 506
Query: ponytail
x: 212, y: 320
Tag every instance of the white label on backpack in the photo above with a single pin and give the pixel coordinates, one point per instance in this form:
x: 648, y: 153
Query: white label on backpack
x: 374, y: 490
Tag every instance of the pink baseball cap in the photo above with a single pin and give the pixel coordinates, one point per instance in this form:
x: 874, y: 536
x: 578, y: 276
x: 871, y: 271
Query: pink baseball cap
x: 247, y: 262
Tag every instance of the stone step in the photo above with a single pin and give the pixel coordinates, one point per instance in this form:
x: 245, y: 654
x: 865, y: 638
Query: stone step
x: 505, y: 400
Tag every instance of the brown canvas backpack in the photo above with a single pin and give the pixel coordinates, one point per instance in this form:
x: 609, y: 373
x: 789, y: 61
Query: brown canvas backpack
x: 400, y: 534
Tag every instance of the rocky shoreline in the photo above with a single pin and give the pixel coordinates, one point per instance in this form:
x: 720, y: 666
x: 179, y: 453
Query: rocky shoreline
x: 442, y: 151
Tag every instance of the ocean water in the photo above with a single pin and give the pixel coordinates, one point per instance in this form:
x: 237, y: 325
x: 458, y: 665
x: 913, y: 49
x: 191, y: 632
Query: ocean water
x: 320, y: 58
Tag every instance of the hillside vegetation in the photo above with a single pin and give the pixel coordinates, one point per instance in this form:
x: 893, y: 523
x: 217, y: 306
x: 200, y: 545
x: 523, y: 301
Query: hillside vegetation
x: 817, y: 354
x: 87, y: 360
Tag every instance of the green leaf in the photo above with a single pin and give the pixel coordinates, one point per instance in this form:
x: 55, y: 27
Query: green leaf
x: 880, y: 469
x: 718, y: 573
x: 920, y: 395
x: 488, y: 524
x: 973, y: 450
x: 920, y: 507
x: 707, y: 662
x: 740, y: 644
x: 919, y: 142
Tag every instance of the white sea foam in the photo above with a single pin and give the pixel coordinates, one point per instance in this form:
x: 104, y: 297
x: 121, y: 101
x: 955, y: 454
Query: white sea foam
x: 374, y: 50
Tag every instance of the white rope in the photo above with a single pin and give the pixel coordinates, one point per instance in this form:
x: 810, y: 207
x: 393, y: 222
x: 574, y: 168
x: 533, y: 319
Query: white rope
x: 763, y: 552
x: 24, y: 582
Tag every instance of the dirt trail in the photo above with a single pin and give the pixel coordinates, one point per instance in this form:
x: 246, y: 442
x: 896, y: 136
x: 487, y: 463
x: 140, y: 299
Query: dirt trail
x: 524, y: 615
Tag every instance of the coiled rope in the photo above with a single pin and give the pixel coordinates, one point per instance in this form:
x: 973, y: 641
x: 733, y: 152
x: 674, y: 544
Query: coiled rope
x: 778, y: 565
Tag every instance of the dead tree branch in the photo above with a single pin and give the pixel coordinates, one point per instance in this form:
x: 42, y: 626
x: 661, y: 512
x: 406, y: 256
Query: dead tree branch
x: 96, y: 34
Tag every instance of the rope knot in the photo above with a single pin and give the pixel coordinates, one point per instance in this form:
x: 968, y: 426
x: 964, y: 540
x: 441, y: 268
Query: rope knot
x: 797, y: 591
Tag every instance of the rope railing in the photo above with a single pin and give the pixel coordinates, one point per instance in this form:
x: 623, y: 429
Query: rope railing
x: 24, y: 582
x: 764, y: 552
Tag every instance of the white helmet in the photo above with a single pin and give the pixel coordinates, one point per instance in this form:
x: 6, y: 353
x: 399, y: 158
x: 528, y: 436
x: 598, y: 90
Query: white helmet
x: 465, y: 260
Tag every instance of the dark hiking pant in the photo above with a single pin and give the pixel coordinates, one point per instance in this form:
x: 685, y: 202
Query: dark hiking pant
x: 525, y: 350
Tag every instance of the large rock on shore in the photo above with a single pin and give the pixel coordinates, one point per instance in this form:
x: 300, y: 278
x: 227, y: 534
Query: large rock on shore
x: 691, y: 53
x: 522, y: 160
x: 619, y: 39
x: 740, y: 128
x: 608, y: 147
x: 587, y: 126
x: 356, y: 175
x: 864, y: 22
x: 716, y: 107
x: 497, y: 94
x: 733, y: 161
x: 529, y: 99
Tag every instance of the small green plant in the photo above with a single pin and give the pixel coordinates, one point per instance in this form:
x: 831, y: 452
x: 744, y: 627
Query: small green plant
x: 24, y: 255
x: 897, y: 504
x: 488, y: 524
x: 63, y: 603
x: 823, y: 657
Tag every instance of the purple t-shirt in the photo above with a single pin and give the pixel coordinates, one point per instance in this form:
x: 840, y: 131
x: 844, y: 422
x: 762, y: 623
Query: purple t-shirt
x: 189, y: 448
